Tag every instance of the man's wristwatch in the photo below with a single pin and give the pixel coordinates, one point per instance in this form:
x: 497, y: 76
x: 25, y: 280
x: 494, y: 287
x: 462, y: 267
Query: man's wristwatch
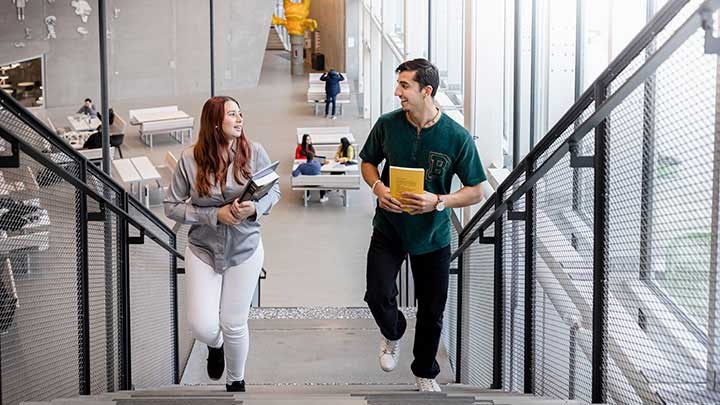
x: 440, y: 204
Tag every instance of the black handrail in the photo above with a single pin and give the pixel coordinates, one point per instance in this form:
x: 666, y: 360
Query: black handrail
x: 45, y: 161
x: 534, y: 169
x: 39, y: 127
x: 622, y: 61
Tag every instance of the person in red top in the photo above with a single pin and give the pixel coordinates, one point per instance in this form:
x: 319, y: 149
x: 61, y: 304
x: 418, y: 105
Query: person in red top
x: 305, y: 147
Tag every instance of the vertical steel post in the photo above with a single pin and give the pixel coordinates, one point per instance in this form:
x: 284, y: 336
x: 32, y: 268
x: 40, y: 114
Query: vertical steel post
x: 600, y: 233
x: 499, y: 304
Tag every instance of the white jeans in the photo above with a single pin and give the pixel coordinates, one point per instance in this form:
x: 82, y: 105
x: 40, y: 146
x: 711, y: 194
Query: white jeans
x: 219, y: 304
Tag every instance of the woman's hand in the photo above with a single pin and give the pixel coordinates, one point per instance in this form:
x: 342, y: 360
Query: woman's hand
x: 225, y: 215
x: 243, y: 210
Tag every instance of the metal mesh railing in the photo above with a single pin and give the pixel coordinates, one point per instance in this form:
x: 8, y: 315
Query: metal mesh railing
x: 660, y: 227
x: 40, y: 290
x: 64, y: 262
x: 624, y: 232
x: 152, y: 316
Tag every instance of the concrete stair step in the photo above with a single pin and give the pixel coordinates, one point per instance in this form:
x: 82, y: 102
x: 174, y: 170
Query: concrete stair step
x: 330, y: 394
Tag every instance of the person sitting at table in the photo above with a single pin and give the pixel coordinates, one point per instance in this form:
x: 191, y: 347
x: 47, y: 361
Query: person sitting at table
x: 345, y: 152
x: 305, y: 147
x: 88, y: 108
x: 94, y: 141
x: 310, y: 168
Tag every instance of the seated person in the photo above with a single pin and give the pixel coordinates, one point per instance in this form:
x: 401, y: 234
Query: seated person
x: 94, y: 141
x: 345, y: 151
x: 88, y: 108
x: 310, y: 168
x: 305, y: 147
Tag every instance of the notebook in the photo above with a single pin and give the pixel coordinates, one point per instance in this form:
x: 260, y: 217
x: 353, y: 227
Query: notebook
x: 260, y: 183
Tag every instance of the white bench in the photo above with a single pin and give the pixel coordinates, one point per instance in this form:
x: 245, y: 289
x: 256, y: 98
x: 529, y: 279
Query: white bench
x: 325, y: 135
x: 162, y: 120
x: 316, y: 95
x: 326, y: 182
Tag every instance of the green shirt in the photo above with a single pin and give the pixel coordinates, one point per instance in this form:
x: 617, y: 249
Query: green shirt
x: 443, y: 150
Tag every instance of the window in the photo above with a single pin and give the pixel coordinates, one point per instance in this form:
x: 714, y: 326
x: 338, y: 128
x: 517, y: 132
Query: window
x: 447, y: 41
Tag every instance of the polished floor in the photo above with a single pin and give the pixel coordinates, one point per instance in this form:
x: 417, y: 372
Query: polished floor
x: 315, y: 255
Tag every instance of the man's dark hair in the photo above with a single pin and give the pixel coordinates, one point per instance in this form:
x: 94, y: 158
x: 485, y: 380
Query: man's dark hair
x: 87, y: 99
x: 425, y: 73
x: 310, y: 156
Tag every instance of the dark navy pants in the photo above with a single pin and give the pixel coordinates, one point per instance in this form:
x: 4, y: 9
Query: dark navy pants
x: 430, y: 273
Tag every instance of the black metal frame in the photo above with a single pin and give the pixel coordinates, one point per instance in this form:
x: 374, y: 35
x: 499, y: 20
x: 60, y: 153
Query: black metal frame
x: 498, y: 208
x: 83, y: 217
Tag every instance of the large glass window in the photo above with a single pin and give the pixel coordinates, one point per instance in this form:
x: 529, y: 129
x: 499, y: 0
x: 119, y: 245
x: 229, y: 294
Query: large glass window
x: 447, y: 40
x: 416, y: 25
x: 394, y: 22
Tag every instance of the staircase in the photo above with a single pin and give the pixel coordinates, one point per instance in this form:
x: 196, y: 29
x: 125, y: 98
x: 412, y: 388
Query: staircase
x: 274, y: 43
x: 306, y: 395
x: 312, y: 356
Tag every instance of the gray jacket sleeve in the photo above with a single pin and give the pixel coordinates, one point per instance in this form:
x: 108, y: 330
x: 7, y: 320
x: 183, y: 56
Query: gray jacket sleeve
x: 263, y: 206
x: 177, y: 199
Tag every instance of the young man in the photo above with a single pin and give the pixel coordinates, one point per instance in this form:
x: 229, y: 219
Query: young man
x: 420, y: 136
x: 88, y: 108
x: 310, y: 168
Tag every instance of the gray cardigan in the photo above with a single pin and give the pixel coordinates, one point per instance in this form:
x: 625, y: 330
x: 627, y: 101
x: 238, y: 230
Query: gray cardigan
x: 219, y: 245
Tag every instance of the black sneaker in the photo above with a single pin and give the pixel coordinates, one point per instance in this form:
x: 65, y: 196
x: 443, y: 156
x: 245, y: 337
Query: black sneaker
x: 215, y: 362
x: 236, y: 386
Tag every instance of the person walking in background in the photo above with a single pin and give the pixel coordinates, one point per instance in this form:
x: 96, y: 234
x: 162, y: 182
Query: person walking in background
x: 225, y: 252
x: 332, y: 81
x: 304, y: 147
x: 416, y: 136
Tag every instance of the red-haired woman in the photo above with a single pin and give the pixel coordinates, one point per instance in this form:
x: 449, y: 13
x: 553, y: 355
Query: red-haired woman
x: 225, y: 251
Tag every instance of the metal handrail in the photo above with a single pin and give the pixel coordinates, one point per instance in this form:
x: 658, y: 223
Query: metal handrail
x: 57, y: 169
x: 622, y: 61
x: 39, y: 127
x: 604, y: 105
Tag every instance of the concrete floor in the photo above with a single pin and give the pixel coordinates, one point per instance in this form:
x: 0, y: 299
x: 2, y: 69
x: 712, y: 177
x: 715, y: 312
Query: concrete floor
x: 316, y: 352
x: 315, y: 255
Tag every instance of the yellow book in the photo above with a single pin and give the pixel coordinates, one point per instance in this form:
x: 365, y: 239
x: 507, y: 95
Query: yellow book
x: 406, y: 180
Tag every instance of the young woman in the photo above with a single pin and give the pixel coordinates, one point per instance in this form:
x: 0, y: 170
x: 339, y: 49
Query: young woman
x: 345, y: 152
x: 305, y: 147
x: 225, y: 250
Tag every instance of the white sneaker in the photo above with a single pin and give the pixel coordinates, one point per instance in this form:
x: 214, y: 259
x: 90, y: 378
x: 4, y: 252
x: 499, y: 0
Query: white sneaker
x: 389, y: 354
x: 427, y: 384
x: 333, y: 117
x: 323, y: 199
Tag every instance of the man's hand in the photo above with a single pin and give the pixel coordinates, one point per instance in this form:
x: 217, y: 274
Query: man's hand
x: 386, y: 201
x: 243, y: 210
x: 419, y: 203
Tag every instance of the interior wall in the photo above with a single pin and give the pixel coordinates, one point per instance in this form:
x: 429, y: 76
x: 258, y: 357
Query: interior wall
x: 330, y: 15
x: 155, y: 49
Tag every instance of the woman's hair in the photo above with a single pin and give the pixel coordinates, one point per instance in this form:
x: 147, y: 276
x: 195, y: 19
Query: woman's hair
x: 304, y: 147
x: 344, y: 145
x: 211, y: 148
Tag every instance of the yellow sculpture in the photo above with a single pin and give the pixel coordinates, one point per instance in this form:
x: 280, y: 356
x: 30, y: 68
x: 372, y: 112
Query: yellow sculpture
x: 296, y: 20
